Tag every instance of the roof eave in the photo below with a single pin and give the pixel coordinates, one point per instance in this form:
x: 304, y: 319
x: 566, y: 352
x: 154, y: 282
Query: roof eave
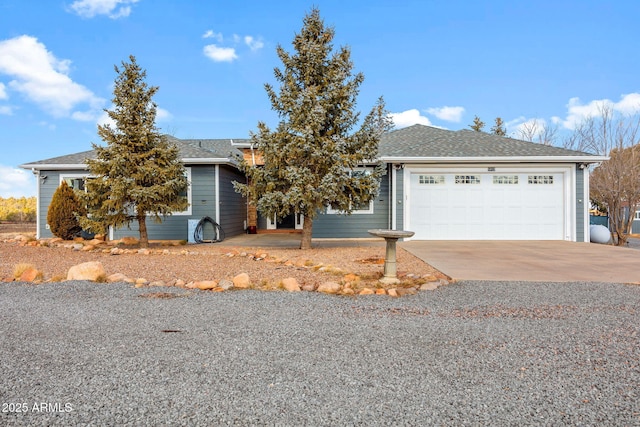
x: 514, y: 159
x: 209, y: 161
x: 67, y: 166
x: 53, y: 166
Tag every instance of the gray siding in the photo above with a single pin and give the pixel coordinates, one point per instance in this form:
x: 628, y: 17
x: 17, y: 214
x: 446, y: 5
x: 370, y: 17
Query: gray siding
x: 203, y: 203
x: 355, y: 225
x: 47, y: 189
x: 581, y: 204
x: 233, y: 207
x: 175, y: 227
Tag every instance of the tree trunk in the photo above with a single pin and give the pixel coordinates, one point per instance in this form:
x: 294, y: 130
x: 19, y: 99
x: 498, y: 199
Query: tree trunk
x: 307, y: 229
x: 144, y: 237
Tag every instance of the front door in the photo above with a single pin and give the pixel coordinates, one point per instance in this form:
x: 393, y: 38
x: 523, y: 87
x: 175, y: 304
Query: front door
x: 290, y: 222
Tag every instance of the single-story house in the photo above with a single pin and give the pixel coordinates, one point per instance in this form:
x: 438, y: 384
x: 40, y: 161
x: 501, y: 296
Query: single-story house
x: 441, y: 184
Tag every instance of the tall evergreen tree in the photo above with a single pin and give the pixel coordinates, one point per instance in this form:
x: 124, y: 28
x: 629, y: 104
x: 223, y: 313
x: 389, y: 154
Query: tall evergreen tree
x: 139, y: 172
x: 499, y: 127
x: 312, y: 157
x: 477, y: 125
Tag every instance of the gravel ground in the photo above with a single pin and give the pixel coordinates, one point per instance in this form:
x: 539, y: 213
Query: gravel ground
x: 471, y: 353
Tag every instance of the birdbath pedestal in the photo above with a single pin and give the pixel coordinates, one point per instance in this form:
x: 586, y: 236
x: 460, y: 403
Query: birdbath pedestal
x: 391, y: 237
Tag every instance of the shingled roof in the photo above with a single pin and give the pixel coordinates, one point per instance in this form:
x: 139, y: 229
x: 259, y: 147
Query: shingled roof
x: 192, y: 151
x: 420, y: 143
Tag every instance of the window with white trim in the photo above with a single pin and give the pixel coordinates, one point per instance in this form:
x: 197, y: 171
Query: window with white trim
x: 505, y: 179
x: 637, y: 216
x: 431, y: 179
x: 75, y: 181
x: 363, y: 208
x: 541, y: 179
x: 467, y: 179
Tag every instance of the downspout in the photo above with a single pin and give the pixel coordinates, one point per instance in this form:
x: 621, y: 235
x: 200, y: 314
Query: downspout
x: 217, y: 196
x: 38, y: 184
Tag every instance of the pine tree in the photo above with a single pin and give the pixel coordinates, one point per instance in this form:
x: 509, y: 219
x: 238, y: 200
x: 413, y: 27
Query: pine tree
x: 499, y: 128
x: 63, y: 213
x: 311, y: 158
x: 477, y: 125
x: 139, y: 172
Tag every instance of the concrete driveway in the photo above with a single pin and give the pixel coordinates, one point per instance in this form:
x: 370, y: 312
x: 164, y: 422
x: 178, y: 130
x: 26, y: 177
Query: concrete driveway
x: 548, y: 261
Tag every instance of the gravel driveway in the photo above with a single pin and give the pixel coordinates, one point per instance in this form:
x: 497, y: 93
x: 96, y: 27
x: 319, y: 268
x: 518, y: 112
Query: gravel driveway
x: 472, y: 353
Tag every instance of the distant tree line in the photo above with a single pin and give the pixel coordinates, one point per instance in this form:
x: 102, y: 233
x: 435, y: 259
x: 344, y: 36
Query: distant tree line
x: 22, y: 209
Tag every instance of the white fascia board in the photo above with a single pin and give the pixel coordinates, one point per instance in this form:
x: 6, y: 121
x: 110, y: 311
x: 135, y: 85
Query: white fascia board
x: 529, y: 159
x: 209, y: 161
x: 53, y: 166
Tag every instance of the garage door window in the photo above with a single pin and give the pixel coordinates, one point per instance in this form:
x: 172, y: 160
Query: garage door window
x: 505, y: 179
x: 467, y: 179
x: 431, y: 179
x: 541, y: 179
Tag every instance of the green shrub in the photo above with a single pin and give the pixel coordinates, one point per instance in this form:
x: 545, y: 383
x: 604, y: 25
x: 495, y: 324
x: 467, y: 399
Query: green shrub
x: 63, y: 212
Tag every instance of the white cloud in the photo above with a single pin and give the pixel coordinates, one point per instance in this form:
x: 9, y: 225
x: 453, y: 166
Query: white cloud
x: 5, y: 110
x: 220, y: 54
x: 532, y: 128
x: 408, y: 118
x: 253, y: 44
x: 43, y: 79
x: 3, y: 92
x: 577, y: 112
x: 449, y: 114
x: 112, y: 8
x: 163, y: 115
x: 209, y: 34
x: 16, y: 182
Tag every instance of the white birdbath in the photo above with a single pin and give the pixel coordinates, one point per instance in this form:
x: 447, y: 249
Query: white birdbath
x: 391, y: 236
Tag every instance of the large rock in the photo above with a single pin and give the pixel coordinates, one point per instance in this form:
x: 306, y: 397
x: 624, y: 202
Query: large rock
x: 366, y: 291
x: 242, y: 281
x: 290, y: 284
x: 117, y: 277
x: 92, y: 270
x: 29, y: 275
x: 205, y: 284
x: 329, y: 288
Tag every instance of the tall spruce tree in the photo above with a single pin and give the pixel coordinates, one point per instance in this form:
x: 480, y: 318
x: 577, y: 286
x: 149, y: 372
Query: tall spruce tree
x: 312, y: 157
x: 139, y: 172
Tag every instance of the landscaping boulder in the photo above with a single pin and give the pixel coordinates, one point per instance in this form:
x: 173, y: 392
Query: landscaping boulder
x: 242, y: 281
x: 92, y: 270
x: 329, y: 288
x: 290, y: 284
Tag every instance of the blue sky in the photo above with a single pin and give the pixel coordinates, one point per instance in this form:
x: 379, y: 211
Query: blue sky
x: 437, y: 63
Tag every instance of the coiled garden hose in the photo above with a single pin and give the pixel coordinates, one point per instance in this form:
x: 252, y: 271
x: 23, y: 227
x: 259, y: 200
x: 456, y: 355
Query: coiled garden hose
x: 198, y: 234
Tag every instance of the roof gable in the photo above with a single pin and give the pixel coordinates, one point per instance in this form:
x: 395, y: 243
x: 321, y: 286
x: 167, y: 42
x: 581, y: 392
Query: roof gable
x: 419, y: 141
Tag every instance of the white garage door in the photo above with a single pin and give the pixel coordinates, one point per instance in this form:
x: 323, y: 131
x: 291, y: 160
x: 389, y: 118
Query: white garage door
x: 486, y: 206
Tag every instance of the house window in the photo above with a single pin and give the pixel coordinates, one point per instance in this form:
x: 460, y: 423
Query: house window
x: 541, y: 179
x: 363, y: 208
x: 431, y: 179
x: 74, y: 181
x: 467, y: 179
x: 505, y: 179
x: 637, y: 216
